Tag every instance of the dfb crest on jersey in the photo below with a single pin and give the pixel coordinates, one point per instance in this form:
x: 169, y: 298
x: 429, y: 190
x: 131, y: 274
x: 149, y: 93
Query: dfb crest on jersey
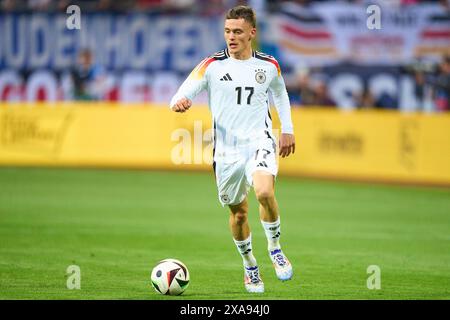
x: 224, y: 198
x: 260, y: 75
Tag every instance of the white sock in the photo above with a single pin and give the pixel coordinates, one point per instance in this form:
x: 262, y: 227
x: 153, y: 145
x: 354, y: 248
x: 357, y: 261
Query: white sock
x: 245, y: 249
x: 272, y: 230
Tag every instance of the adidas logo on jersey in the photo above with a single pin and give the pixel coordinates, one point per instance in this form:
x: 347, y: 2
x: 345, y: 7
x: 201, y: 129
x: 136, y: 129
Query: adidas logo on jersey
x: 262, y: 164
x: 226, y: 78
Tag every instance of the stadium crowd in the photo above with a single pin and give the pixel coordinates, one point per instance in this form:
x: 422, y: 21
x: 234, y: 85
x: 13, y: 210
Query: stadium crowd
x: 308, y: 86
x: 206, y: 7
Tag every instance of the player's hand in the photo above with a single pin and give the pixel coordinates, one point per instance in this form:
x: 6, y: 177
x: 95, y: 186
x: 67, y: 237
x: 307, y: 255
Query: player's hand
x: 287, y: 144
x: 182, y: 105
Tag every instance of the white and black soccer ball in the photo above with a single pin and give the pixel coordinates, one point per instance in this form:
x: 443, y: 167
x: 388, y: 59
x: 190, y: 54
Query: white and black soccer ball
x: 170, y: 276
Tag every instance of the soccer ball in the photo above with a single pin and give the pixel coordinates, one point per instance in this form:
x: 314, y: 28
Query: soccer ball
x: 170, y: 276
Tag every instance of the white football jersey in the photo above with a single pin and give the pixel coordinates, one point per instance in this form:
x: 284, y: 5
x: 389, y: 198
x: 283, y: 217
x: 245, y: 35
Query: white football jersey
x: 238, y: 95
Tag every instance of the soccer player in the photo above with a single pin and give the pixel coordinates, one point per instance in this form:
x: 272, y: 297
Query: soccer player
x: 238, y: 80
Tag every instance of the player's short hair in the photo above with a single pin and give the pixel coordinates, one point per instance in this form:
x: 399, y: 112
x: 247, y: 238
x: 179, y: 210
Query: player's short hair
x: 242, y: 12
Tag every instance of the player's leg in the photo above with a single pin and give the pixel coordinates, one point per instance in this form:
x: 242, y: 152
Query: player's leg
x: 242, y: 237
x: 232, y: 191
x: 239, y: 221
x: 264, y: 186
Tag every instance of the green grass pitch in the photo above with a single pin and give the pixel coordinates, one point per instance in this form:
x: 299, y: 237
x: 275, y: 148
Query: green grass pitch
x: 115, y: 225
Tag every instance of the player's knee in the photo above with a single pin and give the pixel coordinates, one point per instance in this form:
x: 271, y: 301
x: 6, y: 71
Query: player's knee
x: 264, y: 196
x: 240, y: 217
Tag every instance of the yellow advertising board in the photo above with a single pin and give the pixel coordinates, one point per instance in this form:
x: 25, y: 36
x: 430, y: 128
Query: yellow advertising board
x: 372, y: 145
x: 92, y: 135
x: 362, y: 145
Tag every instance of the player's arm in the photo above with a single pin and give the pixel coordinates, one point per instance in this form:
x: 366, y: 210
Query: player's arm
x: 190, y: 88
x: 283, y: 106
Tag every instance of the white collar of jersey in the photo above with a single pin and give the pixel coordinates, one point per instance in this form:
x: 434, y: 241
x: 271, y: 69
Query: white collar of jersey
x: 227, y: 53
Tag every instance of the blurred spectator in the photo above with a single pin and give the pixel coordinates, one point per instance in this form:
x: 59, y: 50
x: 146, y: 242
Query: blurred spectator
x: 441, y: 86
x: 104, y: 5
x: 149, y: 4
x: 445, y: 4
x: 39, y: 5
x: 62, y: 5
x: 212, y: 7
x: 365, y: 99
x: 85, y: 5
x: 7, y: 5
x: 386, y: 101
x: 97, y: 5
x: 303, y: 2
x: 304, y: 89
x: 321, y: 95
x: 309, y: 88
x: 419, y: 87
x: 115, y: 6
x: 88, y: 78
x: 166, y: 6
x: 423, y: 72
x: 300, y: 89
x: 181, y: 6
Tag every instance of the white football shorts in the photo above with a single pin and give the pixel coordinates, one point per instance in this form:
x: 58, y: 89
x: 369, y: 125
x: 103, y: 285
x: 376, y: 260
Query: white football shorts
x: 234, y: 170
